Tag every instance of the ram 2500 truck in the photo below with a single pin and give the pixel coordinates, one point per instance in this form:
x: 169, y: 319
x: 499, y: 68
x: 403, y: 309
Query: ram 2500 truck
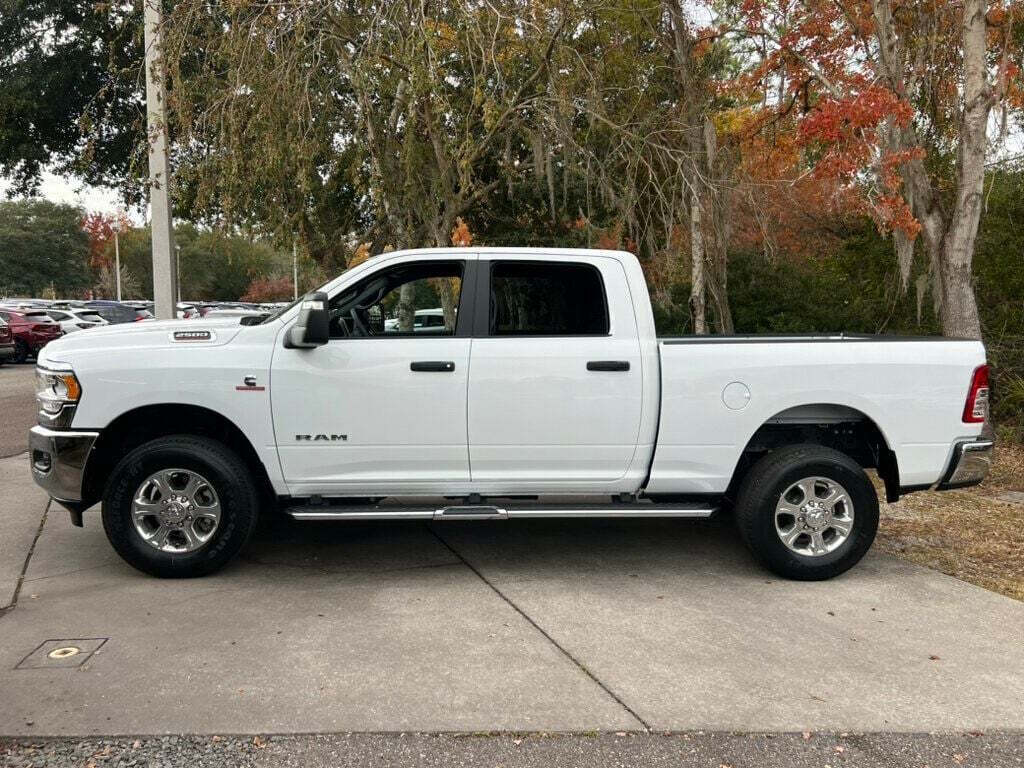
x: 543, y: 393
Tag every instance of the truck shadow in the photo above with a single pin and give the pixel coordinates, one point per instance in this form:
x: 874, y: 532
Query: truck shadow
x: 515, y: 548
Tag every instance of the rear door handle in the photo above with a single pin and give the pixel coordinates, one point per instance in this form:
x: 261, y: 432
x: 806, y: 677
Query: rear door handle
x: 438, y: 366
x: 608, y: 365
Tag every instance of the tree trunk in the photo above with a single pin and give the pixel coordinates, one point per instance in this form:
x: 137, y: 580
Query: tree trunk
x: 406, y: 307
x: 697, y: 309
x: 949, y: 240
x: 959, y: 308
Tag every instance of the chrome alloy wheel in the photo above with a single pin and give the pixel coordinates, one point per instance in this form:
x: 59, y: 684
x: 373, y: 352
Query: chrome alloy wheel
x: 176, y: 510
x: 814, y: 516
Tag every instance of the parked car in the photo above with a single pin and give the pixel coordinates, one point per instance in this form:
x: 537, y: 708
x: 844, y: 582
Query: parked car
x: 16, y: 303
x: 71, y: 320
x: 550, y: 386
x: 234, y: 312
x: 424, y: 321
x: 6, y: 342
x: 115, y: 312
x: 32, y: 329
x: 72, y: 304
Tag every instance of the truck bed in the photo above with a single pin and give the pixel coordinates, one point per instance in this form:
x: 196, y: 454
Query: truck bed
x: 717, y: 391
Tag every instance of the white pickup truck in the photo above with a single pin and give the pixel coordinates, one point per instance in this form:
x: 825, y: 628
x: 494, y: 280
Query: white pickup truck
x: 544, y: 393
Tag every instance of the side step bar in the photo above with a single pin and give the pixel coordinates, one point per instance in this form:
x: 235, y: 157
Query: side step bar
x: 490, y: 512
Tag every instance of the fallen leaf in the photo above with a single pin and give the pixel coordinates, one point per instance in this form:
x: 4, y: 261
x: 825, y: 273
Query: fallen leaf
x: 258, y: 742
x: 933, y: 657
x: 807, y: 735
x: 840, y: 749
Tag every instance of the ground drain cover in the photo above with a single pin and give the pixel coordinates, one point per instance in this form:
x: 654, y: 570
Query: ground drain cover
x: 62, y: 653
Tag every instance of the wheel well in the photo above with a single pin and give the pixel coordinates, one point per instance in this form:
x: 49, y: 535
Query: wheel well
x: 138, y: 426
x: 835, y: 426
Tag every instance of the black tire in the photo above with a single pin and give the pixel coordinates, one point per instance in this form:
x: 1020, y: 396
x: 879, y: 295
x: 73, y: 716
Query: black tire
x: 762, y: 489
x: 230, y: 478
x: 20, y: 351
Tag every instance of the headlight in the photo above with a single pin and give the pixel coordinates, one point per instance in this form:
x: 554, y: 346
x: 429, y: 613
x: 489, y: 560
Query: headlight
x: 55, y: 391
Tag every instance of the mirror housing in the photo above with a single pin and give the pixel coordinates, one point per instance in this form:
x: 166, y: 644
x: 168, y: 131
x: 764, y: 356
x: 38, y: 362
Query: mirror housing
x: 312, y: 329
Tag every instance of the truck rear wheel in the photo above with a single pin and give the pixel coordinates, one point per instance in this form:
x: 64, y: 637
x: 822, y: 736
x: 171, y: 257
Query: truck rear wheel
x: 807, y: 512
x: 180, y: 506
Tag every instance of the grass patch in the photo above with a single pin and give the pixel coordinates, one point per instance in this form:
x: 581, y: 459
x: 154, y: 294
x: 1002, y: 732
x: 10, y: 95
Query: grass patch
x: 971, y: 534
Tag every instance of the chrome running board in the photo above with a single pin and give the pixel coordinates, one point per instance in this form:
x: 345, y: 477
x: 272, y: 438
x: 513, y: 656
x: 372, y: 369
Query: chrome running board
x: 394, y: 511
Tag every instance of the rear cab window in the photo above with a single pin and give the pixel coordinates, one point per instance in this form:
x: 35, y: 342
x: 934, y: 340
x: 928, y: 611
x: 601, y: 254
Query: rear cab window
x: 537, y: 298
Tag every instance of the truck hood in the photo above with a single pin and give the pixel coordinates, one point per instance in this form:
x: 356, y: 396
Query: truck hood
x: 146, y: 334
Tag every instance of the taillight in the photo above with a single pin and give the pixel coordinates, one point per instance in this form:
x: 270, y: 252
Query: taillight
x: 976, y: 407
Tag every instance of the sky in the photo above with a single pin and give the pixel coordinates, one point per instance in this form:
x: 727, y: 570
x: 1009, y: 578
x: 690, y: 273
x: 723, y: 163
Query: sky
x: 60, y: 189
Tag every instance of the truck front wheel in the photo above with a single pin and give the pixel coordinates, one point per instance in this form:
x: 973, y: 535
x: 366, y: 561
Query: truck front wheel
x: 180, y: 506
x: 807, y: 512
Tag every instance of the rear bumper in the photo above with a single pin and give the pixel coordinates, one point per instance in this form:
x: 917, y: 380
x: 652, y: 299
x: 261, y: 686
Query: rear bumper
x: 58, y: 461
x: 971, y: 462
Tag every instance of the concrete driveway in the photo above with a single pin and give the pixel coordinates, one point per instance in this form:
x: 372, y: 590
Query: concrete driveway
x: 518, y: 626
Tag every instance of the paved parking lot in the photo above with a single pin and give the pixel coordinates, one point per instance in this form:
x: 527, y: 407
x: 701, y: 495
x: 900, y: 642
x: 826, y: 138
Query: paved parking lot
x: 17, y: 411
x: 522, y: 626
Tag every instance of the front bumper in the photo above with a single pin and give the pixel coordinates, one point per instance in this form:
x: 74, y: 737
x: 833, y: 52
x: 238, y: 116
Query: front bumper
x: 58, y: 460
x: 971, y: 462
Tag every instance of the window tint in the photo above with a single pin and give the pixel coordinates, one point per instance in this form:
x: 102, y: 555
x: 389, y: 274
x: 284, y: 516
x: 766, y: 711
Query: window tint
x: 546, y: 299
x: 408, y: 300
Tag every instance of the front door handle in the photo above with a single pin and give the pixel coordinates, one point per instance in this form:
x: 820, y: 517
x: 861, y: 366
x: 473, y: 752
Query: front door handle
x: 608, y: 365
x: 438, y: 366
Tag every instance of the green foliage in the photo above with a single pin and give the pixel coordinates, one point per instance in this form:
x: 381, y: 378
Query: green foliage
x: 70, y: 93
x: 42, y: 245
x: 213, y: 265
x: 854, y: 290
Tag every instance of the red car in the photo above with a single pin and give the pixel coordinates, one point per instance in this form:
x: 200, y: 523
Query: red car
x: 32, y: 330
x: 6, y: 342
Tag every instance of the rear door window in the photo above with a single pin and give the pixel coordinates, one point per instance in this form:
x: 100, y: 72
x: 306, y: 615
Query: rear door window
x: 547, y: 299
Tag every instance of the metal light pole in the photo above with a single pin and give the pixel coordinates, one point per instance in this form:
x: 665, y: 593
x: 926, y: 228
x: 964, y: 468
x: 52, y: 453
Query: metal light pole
x: 164, y: 282
x: 177, y: 276
x: 117, y: 261
x: 295, y: 270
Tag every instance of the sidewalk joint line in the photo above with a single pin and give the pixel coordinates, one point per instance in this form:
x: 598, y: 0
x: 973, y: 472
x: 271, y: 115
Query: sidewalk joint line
x: 24, y: 566
x: 579, y: 664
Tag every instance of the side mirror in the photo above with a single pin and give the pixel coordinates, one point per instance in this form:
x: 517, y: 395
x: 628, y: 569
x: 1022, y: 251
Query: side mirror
x: 312, y: 329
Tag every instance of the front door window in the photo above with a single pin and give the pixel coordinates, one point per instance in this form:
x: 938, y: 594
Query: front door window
x: 407, y: 300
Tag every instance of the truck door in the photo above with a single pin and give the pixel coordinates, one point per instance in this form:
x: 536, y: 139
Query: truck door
x: 381, y: 408
x: 555, y: 386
